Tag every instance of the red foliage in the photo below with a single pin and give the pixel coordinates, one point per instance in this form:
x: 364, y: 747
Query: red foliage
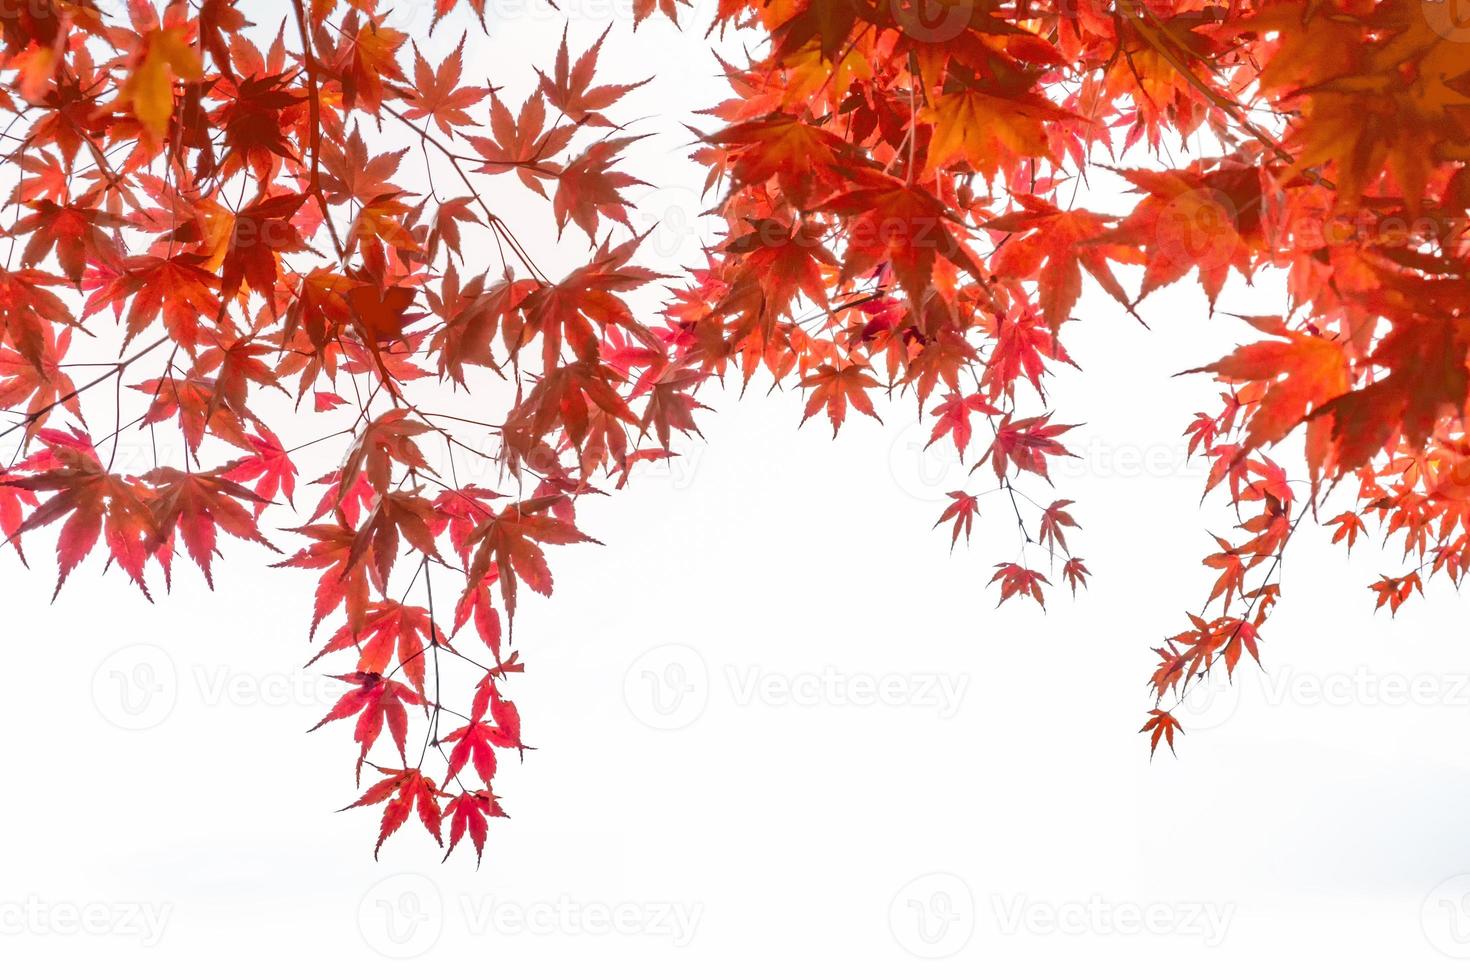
x: 898, y: 180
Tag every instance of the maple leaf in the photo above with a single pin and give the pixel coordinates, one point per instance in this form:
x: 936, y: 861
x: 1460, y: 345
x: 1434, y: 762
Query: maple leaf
x: 511, y: 543
x: 1053, y: 246
x: 255, y: 122
x: 1050, y: 532
x: 40, y: 388
x: 394, y: 515
x: 472, y: 313
x: 28, y: 311
x: 1394, y: 591
x: 588, y: 187
x: 569, y: 398
x: 902, y: 224
x: 198, y: 503
x: 1427, y: 375
x: 219, y: 24
x: 837, y: 387
x: 783, y: 147
x: 367, y: 56
x: 345, y: 578
x: 381, y: 220
x: 352, y: 174
x: 1204, y: 217
x: 827, y: 25
x: 1162, y: 725
x: 520, y: 144
x: 571, y: 91
x: 987, y: 130
x: 13, y: 502
x: 670, y: 406
x: 954, y: 419
x: 1025, y: 444
x: 786, y: 260
x: 77, y: 234
x: 570, y: 311
x: 96, y: 504
x: 390, y: 629
x: 1075, y: 574
x: 475, y: 603
x: 642, y: 9
x: 166, y: 56
x: 1017, y: 580
x: 271, y: 467
x: 470, y: 812
x: 472, y: 742
x: 962, y: 511
x: 446, y: 229
x: 179, y: 289
x: 439, y: 94
x: 376, y: 702
x: 1020, y: 344
x: 1299, y: 373
x: 386, y: 440
x: 506, y: 732
x: 1349, y: 526
x: 406, y: 791
x: 262, y: 232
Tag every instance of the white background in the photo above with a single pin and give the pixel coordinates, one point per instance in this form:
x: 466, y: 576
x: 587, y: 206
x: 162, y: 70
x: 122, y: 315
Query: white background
x: 711, y: 793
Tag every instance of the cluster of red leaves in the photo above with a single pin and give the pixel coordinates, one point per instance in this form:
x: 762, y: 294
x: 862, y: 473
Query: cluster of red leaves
x: 897, y: 179
x: 234, y: 198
